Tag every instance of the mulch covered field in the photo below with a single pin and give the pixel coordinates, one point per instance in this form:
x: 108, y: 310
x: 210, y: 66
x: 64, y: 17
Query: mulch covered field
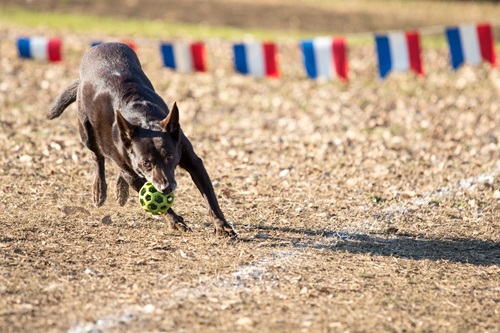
x: 367, y: 206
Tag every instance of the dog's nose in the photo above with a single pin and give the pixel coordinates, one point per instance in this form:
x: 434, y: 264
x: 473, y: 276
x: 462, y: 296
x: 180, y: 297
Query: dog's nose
x: 166, y: 188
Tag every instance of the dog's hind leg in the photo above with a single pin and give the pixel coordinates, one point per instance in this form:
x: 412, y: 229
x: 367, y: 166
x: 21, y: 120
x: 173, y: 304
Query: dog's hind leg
x: 99, y: 189
x: 122, y: 190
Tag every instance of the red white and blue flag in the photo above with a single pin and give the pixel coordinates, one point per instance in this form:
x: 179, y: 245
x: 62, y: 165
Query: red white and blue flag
x: 128, y: 42
x: 184, y: 57
x: 325, y: 57
x: 471, y: 44
x: 40, y: 48
x: 399, y: 51
x: 256, y: 59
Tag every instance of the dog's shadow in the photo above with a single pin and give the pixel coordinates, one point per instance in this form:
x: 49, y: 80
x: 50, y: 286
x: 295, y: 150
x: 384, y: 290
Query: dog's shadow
x: 460, y: 250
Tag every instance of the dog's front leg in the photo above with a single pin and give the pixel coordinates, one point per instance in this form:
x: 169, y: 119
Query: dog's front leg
x: 194, y: 165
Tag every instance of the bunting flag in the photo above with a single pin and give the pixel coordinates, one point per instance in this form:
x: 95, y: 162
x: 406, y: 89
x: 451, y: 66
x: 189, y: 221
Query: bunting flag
x: 130, y: 43
x: 399, y: 51
x: 471, y: 44
x: 325, y: 57
x: 256, y: 59
x: 184, y: 57
x: 40, y: 48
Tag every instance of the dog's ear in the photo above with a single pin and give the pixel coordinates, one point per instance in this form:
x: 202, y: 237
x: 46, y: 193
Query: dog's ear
x: 171, y: 122
x: 127, y: 130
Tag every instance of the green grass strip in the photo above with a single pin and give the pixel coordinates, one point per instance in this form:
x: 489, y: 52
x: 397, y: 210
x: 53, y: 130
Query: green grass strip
x: 112, y: 26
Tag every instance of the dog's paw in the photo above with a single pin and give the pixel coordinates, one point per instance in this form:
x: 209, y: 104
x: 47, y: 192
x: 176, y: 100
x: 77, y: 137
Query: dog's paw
x: 224, y: 229
x: 122, y: 191
x: 176, y: 222
x: 180, y: 226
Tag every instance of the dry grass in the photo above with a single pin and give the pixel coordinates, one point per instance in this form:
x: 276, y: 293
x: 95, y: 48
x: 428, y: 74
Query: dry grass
x: 361, y: 207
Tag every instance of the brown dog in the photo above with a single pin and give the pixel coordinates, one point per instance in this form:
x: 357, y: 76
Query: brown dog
x: 122, y: 118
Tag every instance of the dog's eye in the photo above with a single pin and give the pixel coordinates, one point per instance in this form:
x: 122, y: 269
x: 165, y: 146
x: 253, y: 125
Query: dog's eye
x: 169, y: 157
x: 146, y: 164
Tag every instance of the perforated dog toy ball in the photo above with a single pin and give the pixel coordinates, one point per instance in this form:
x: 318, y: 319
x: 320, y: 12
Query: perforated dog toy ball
x: 153, y: 201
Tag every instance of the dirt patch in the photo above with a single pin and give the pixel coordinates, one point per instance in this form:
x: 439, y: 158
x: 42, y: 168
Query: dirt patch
x: 366, y: 206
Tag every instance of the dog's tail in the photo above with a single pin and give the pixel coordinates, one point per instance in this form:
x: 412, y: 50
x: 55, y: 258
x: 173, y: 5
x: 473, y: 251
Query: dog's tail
x: 65, y: 98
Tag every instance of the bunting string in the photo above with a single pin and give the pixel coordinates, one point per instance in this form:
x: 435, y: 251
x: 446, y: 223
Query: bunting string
x: 322, y: 57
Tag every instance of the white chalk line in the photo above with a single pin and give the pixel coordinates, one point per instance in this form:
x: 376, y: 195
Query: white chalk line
x: 389, y: 213
x: 258, y: 272
x: 110, y: 321
x: 446, y: 191
x: 214, y: 289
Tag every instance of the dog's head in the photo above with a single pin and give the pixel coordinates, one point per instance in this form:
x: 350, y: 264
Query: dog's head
x: 154, y: 152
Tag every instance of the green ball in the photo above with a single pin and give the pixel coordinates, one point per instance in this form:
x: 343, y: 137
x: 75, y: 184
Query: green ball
x: 153, y: 201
